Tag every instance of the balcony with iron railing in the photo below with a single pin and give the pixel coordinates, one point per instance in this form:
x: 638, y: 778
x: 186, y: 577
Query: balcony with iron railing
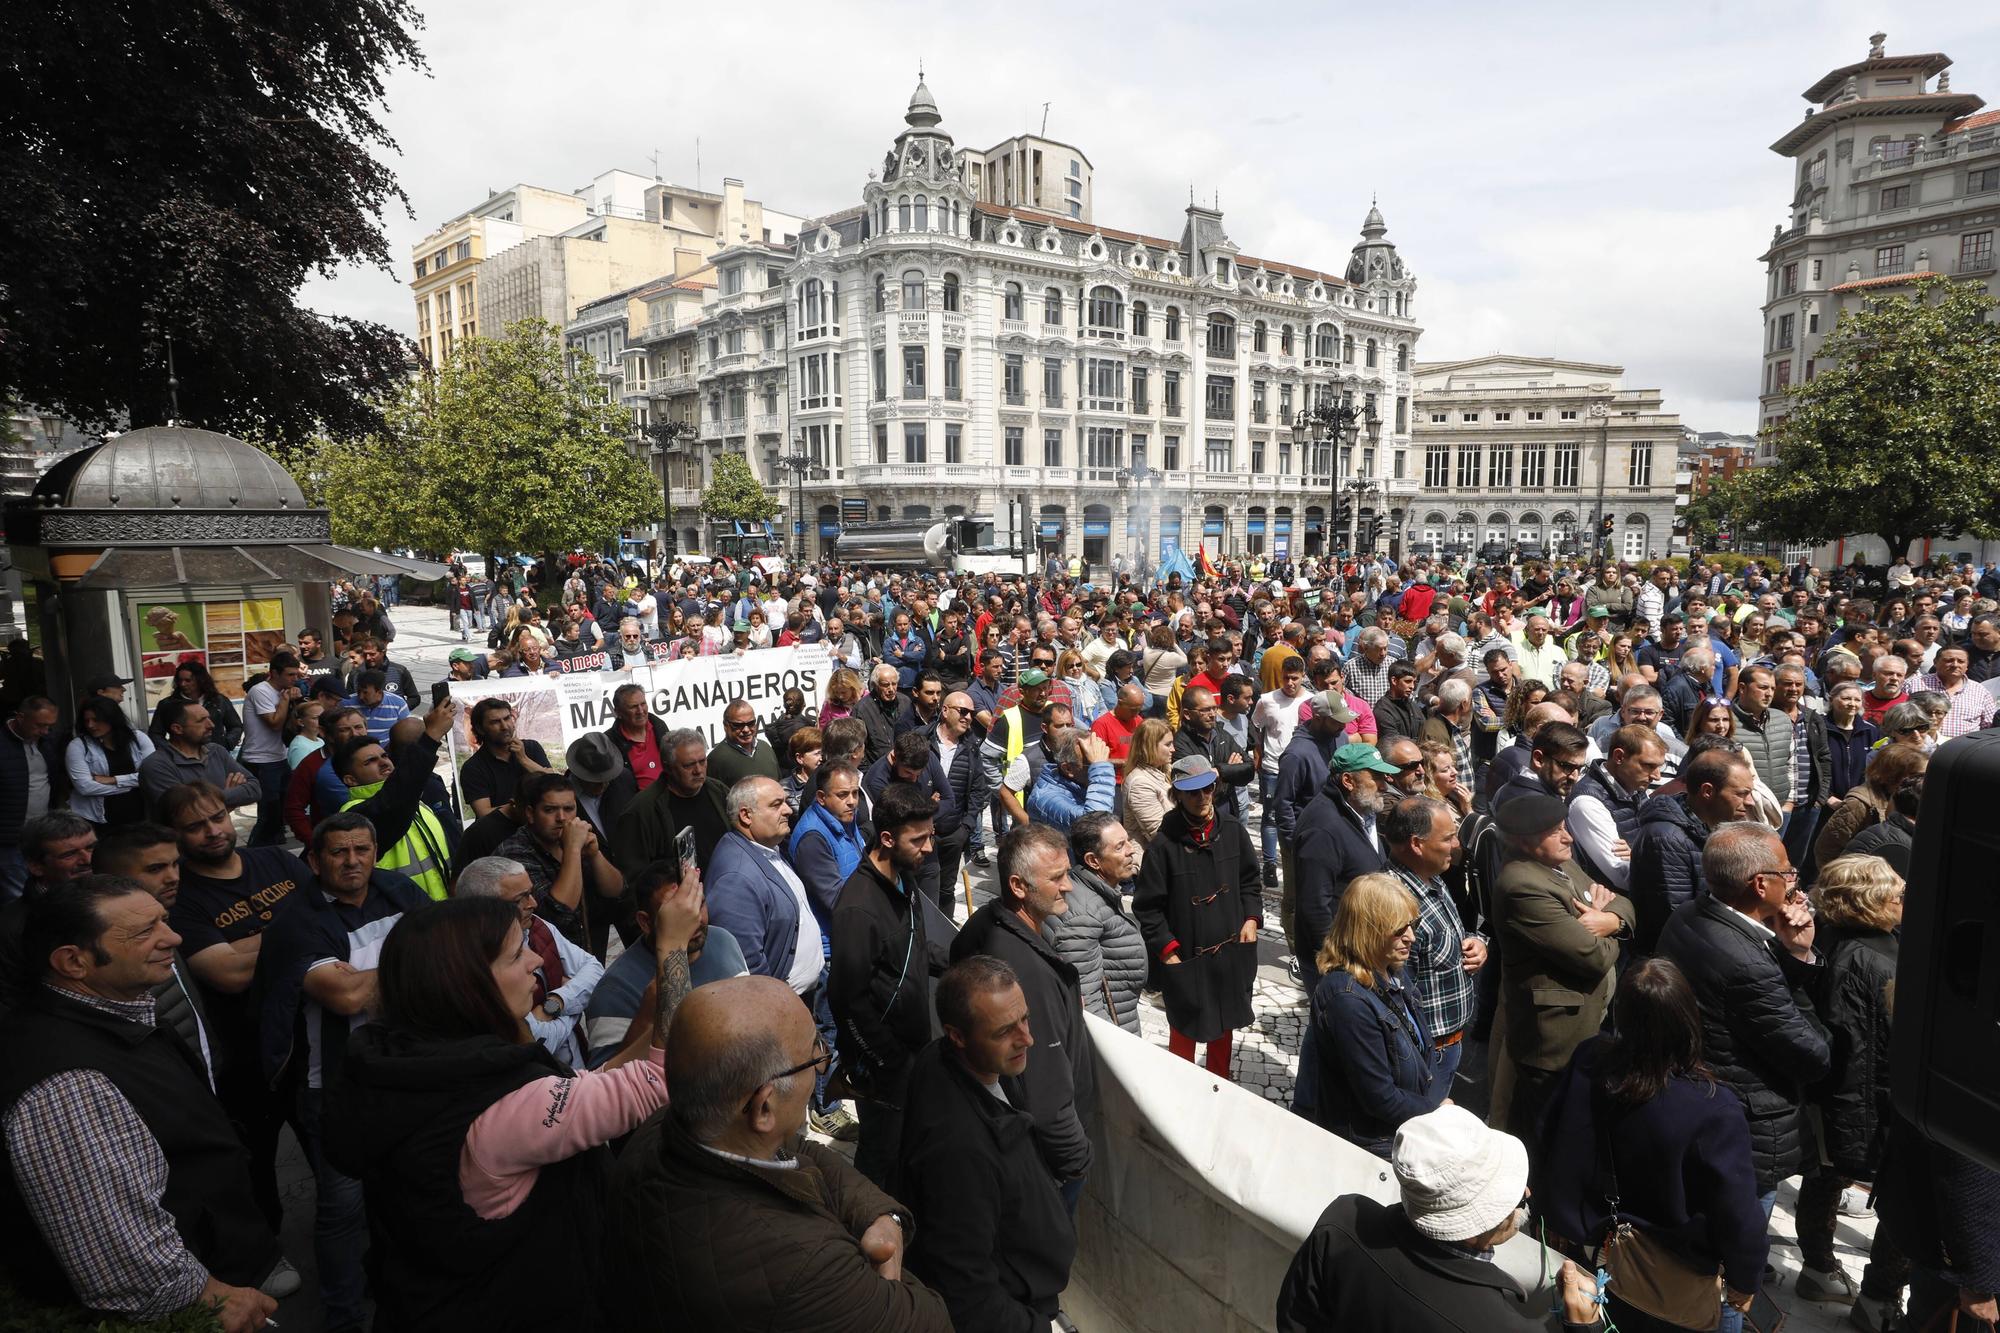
x: 1014, y: 398
x: 1972, y: 143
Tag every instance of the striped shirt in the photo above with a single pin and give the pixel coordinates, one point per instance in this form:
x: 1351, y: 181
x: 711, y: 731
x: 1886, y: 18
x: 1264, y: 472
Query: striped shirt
x: 1436, y: 970
x: 1971, y: 708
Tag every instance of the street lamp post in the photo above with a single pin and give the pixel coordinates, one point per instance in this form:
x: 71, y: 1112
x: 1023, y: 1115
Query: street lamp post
x: 665, y: 435
x: 1600, y: 540
x: 799, y: 463
x: 1141, y: 478
x: 1324, y: 424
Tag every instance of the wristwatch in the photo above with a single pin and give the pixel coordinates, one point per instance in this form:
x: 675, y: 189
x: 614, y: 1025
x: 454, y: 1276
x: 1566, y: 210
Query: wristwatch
x: 552, y: 1005
x: 903, y: 1222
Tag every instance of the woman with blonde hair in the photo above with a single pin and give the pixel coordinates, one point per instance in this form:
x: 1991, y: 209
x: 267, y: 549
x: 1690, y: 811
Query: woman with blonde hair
x: 1086, y: 699
x: 1525, y: 694
x: 1892, y: 764
x: 1860, y: 902
x: 1148, y: 780
x: 1441, y: 777
x: 1368, y: 1063
x: 843, y: 691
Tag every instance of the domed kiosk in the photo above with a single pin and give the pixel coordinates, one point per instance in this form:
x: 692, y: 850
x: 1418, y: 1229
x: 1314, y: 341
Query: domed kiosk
x: 169, y: 543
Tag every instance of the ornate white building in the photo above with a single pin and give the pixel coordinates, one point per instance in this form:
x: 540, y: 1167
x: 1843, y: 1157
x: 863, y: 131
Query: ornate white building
x: 951, y: 354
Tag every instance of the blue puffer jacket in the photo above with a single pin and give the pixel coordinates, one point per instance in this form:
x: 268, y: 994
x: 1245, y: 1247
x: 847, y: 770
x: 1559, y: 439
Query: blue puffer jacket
x: 1666, y: 866
x: 1057, y: 801
x: 1373, y: 1066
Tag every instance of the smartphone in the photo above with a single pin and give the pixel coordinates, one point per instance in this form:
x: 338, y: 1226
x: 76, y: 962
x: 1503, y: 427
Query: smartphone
x: 684, y: 848
x: 439, y: 691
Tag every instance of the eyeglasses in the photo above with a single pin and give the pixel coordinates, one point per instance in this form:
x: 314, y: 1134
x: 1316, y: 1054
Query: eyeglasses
x: 1407, y: 928
x: 822, y: 1059
x: 749, y: 722
x: 1790, y: 875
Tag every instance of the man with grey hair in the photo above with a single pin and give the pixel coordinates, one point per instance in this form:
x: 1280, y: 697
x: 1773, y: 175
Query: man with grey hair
x: 1640, y: 705
x: 877, y: 711
x: 1451, y: 724
x: 1368, y: 666
x: 567, y: 977
x: 684, y: 797
x: 1686, y: 687
x: 1747, y: 949
x: 726, y: 1216
x: 755, y: 895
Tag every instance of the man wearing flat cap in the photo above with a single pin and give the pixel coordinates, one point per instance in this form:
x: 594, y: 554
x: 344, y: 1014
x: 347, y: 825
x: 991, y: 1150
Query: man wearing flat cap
x: 1559, y: 940
x: 1336, y: 841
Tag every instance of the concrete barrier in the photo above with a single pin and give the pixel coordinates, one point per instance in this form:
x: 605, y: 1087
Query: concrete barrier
x: 1199, y: 1195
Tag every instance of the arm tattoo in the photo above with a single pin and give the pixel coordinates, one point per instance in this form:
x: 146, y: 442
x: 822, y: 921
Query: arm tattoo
x: 673, y: 988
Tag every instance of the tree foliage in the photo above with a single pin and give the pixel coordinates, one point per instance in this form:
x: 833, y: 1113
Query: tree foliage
x: 734, y: 493
x: 511, y: 447
x: 1895, y: 437
x: 177, y: 171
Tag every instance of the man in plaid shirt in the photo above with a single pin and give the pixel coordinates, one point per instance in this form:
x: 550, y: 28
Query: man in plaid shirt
x: 1421, y: 837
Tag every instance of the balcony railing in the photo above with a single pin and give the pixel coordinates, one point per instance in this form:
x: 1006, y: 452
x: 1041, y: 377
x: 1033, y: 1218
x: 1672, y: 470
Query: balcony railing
x: 1106, y: 334
x: 1215, y: 413
x: 1974, y: 263
x: 1014, y: 398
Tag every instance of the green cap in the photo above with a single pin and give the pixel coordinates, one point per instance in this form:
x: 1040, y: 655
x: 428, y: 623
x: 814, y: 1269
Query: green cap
x: 1032, y: 677
x: 1361, y: 757
x: 464, y: 655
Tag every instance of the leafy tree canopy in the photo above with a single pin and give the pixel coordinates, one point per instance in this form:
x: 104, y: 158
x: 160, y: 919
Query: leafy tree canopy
x: 178, y: 170
x: 1896, y: 436
x: 734, y: 493
x: 511, y: 447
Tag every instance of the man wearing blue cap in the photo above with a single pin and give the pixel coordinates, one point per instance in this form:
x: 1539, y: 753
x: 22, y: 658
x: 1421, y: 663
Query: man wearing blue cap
x: 1336, y: 841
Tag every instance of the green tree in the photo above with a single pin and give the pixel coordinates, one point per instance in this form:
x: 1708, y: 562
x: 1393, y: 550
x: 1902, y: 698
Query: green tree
x: 176, y: 171
x: 1895, y: 437
x: 734, y: 493
x: 510, y: 447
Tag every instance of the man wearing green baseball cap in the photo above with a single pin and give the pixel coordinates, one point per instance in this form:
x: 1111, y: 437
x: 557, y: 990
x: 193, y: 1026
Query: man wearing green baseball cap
x: 1335, y: 842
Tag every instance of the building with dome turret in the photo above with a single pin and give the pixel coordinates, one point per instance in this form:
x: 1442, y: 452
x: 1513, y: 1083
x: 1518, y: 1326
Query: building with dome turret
x: 970, y: 340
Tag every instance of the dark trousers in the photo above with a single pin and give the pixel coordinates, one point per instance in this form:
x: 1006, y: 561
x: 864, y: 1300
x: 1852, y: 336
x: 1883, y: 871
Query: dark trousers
x: 258, y: 1115
x: 269, y: 830
x: 340, y: 1225
x: 950, y: 856
x: 881, y: 1141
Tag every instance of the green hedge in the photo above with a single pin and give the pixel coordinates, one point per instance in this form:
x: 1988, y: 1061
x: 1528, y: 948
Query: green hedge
x: 20, y: 1315
x: 1731, y: 562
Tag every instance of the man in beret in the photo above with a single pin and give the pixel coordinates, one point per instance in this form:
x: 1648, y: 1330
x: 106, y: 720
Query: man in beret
x: 1335, y: 841
x: 1559, y: 937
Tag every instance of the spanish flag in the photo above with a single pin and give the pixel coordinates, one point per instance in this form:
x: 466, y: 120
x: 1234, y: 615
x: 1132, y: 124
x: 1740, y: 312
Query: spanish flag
x: 1208, y: 568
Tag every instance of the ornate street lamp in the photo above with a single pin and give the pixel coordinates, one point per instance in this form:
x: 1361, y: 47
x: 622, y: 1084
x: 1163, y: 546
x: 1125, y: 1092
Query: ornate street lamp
x: 1327, y: 423
x: 665, y: 436
x: 801, y: 465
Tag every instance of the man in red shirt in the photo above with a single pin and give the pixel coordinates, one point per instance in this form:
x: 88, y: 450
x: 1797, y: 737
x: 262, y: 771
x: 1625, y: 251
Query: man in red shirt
x: 639, y: 736
x: 1221, y: 657
x: 1115, y: 728
x: 1888, y: 691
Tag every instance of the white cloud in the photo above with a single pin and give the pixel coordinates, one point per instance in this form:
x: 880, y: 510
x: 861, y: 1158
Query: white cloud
x: 1574, y: 180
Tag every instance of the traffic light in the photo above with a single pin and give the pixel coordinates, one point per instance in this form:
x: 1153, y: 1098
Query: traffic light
x: 1604, y: 528
x: 1344, y: 514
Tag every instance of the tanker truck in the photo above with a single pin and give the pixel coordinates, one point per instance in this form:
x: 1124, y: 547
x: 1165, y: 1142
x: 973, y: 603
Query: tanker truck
x: 954, y: 545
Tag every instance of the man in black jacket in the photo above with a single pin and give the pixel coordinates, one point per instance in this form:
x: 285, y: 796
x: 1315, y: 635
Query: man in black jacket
x: 1666, y: 851
x: 1200, y: 734
x: 1336, y: 841
x: 996, y: 1242
x: 911, y: 760
x: 1058, y: 1082
x: 1747, y: 949
x: 877, y: 711
x: 1399, y: 712
x: 33, y: 781
x: 1424, y: 1265
x: 878, y: 977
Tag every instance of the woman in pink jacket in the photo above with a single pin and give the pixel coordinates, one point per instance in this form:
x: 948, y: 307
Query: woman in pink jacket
x: 483, y: 1161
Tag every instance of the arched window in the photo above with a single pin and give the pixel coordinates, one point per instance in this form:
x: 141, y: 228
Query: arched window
x: 1141, y: 325
x: 951, y: 293
x: 881, y: 293
x: 903, y: 213
x: 1347, y: 349
x: 1012, y: 302
x: 1371, y: 354
x: 1173, y: 323
x: 1106, y: 309
x: 1496, y: 529
x: 1325, y: 338
x: 913, y: 290
x: 818, y: 307
x: 1260, y: 337
x: 1633, y: 539
x: 923, y: 214
x: 1528, y: 529
x: 1222, y: 336
x: 1052, y: 300
x: 1285, y: 339
x: 1402, y: 356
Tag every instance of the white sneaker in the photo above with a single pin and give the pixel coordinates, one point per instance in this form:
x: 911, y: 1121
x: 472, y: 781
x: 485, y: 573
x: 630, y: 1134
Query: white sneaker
x: 281, y: 1281
x: 1834, y: 1285
x: 1854, y: 1203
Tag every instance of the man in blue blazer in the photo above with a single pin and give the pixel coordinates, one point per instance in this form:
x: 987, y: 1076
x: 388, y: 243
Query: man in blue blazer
x: 756, y: 896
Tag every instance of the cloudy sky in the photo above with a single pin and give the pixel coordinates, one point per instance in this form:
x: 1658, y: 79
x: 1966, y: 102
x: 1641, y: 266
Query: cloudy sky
x: 1588, y: 181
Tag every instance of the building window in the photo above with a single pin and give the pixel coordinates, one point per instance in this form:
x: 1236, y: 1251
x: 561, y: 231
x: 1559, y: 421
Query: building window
x: 1260, y: 337
x: 1141, y: 324
x: 1639, y: 471
x: 952, y: 389
x: 881, y: 293
x: 1347, y: 349
x: 1785, y: 324
x: 1220, y: 458
x: 1788, y: 280
x: 1402, y: 414
x: 1816, y: 270
x: 882, y: 443
x: 1894, y: 196
x: 1326, y: 339
x: 1983, y: 181
x: 1888, y: 259
x: 1402, y: 356
x: 1534, y: 466
x: 1284, y: 458
x: 1468, y: 416
x: 1782, y: 376
x: 818, y: 387
x: 423, y: 267
x: 1439, y: 418
x: 1105, y: 383
x: 903, y: 213
x: 951, y: 293
x: 1052, y: 448
x: 1173, y: 324
x: 913, y: 290
x: 1566, y: 466
x: 1052, y: 383
x: 1103, y: 448
x: 923, y: 214
x: 880, y: 362
x: 954, y: 443
x: 1468, y: 467
x: 1170, y: 391
x: 1170, y: 453
x: 1284, y: 403
x: 913, y: 372
x: 1566, y: 414
x: 916, y: 444
x: 1221, y: 398
x: 1222, y: 337
x: 1535, y: 416
x: 1106, y: 310
x: 1372, y: 362
x: 732, y: 342
x: 1437, y: 466
x: 1812, y: 321
x: 732, y: 280
x: 1975, y: 251
x: 1256, y: 455
x: 1500, y: 467
x: 1052, y: 306
x: 1013, y: 303
x: 1259, y: 407
x: 1013, y: 380
x: 1015, y: 448
x: 1141, y: 403
x: 819, y: 311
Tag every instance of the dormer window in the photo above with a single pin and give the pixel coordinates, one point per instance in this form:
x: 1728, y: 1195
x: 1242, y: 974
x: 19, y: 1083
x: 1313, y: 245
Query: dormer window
x: 1222, y: 270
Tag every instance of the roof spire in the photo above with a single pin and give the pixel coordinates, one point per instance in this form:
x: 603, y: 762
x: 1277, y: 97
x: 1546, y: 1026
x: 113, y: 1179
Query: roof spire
x: 923, y: 111
x: 1877, y: 42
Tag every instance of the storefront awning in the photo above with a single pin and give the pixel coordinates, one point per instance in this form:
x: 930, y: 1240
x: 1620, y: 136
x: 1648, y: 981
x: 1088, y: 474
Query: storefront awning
x: 230, y: 566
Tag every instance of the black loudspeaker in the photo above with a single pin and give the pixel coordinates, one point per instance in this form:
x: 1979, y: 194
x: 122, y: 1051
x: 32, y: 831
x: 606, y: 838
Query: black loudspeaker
x: 1944, y: 1064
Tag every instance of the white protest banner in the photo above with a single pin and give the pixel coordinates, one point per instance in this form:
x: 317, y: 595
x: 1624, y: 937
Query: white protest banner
x: 692, y: 692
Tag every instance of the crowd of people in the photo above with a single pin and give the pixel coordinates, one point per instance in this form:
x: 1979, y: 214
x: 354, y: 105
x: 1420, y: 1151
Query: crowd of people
x: 1587, y: 881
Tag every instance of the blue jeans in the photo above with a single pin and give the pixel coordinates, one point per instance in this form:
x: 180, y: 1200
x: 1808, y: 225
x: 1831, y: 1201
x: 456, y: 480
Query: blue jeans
x: 828, y: 1033
x: 1446, y: 1072
x: 1732, y: 1320
x: 1267, y: 791
x: 272, y: 777
x: 340, y: 1225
